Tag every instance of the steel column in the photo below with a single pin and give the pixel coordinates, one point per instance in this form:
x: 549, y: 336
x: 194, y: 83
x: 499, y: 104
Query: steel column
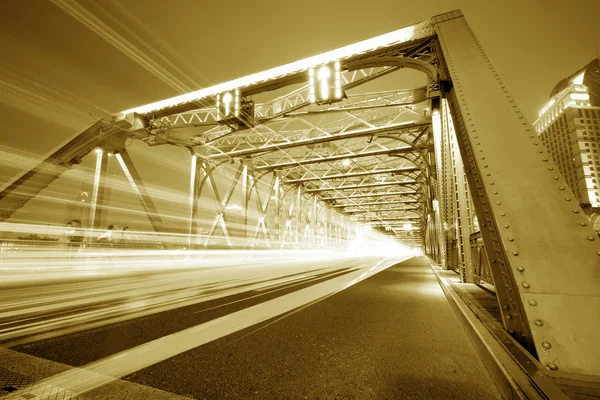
x: 548, y: 266
x: 137, y: 185
x: 98, y: 189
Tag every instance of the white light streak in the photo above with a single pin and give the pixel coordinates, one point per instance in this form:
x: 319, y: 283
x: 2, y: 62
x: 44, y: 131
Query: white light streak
x: 81, y: 380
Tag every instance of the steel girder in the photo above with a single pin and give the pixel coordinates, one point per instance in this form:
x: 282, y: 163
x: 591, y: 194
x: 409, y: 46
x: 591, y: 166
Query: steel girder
x: 544, y: 304
x: 542, y: 252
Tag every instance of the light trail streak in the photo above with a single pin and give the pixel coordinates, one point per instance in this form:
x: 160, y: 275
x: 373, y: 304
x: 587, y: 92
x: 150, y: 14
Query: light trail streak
x: 90, y: 21
x: 93, y: 375
x: 68, y: 298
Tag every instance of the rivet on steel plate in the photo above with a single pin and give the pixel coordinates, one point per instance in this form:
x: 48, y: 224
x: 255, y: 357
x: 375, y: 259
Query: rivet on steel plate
x: 551, y: 168
x: 515, y: 253
x: 520, y: 268
x: 590, y: 238
x: 507, y: 226
x: 539, y: 322
x: 582, y: 224
x: 502, y: 214
x: 561, y: 188
x: 526, y: 285
x: 576, y: 211
x: 556, y: 178
x: 551, y: 366
x: 532, y: 303
x: 567, y: 199
x: 546, y: 345
x: 511, y: 239
x: 508, y: 316
x: 498, y: 203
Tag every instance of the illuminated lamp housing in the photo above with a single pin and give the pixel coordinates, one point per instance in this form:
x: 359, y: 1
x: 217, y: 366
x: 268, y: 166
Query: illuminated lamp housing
x: 325, y: 83
x: 235, y: 110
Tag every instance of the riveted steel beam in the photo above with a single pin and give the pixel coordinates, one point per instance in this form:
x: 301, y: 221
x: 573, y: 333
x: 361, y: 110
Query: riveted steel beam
x: 370, y: 185
x: 362, y: 211
x: 539, y: 243
x: 360, y: 196
x: 350, y: 156
x: 355, y: 174
x: 391, y: 129
x: 376, y: 203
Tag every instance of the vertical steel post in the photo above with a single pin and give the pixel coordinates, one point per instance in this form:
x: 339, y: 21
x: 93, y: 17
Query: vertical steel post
x: 194, y: 197
x: 543, y: 254
x: 440, y: 194
x: 96, y: 202
x: 246, y: 194
x: 276, y: 223
x: 463, y: 207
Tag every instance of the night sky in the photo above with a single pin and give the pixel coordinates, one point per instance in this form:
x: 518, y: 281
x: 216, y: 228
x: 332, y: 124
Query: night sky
x: 65, y: 64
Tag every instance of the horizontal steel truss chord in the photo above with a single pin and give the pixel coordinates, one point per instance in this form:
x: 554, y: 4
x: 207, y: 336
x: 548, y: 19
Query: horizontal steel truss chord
x: 354, y: 174
x: 361, y: 196
x: 338, y: 157
x: 395, y: 128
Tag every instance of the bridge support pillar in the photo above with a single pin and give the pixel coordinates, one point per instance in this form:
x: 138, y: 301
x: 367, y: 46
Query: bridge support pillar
x: 96, y: 202
x: 194, y: 197
x: 545, y: 269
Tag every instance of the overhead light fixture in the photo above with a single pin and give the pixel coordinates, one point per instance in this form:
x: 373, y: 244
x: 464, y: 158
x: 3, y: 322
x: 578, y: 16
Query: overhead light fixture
x: 346, y: 162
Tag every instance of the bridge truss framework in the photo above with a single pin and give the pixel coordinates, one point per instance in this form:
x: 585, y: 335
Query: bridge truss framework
x: 434, y: 158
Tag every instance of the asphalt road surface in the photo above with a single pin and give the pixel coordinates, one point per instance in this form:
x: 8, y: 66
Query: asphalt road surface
x: 390, y: 336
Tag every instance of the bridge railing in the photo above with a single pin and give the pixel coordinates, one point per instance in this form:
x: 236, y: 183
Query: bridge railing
x: 481, y: 263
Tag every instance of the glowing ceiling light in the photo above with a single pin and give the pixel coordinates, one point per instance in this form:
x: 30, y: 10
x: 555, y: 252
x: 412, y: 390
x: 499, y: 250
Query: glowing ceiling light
x: 233, y: 207
x: 346, y: 162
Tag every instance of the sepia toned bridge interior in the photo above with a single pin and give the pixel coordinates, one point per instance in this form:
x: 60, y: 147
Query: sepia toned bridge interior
x: 326, y: 222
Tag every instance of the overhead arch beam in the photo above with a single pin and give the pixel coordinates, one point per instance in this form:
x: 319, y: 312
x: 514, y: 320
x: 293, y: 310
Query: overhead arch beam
x: 401, y: 62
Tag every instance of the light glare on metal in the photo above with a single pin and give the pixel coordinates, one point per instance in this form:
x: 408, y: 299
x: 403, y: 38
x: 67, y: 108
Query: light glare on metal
x: 399, y: 36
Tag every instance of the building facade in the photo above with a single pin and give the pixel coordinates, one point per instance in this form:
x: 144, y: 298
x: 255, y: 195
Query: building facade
x: 569, y: 126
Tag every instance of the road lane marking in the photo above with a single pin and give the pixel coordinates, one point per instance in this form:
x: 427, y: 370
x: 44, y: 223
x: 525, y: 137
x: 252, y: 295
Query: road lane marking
x: 98, y: 373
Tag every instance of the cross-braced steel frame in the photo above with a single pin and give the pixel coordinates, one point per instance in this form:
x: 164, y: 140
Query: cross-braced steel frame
x: 419, y: 164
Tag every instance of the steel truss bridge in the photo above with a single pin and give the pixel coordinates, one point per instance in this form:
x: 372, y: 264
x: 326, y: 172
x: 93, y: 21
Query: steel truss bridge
x: 418, y: 164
